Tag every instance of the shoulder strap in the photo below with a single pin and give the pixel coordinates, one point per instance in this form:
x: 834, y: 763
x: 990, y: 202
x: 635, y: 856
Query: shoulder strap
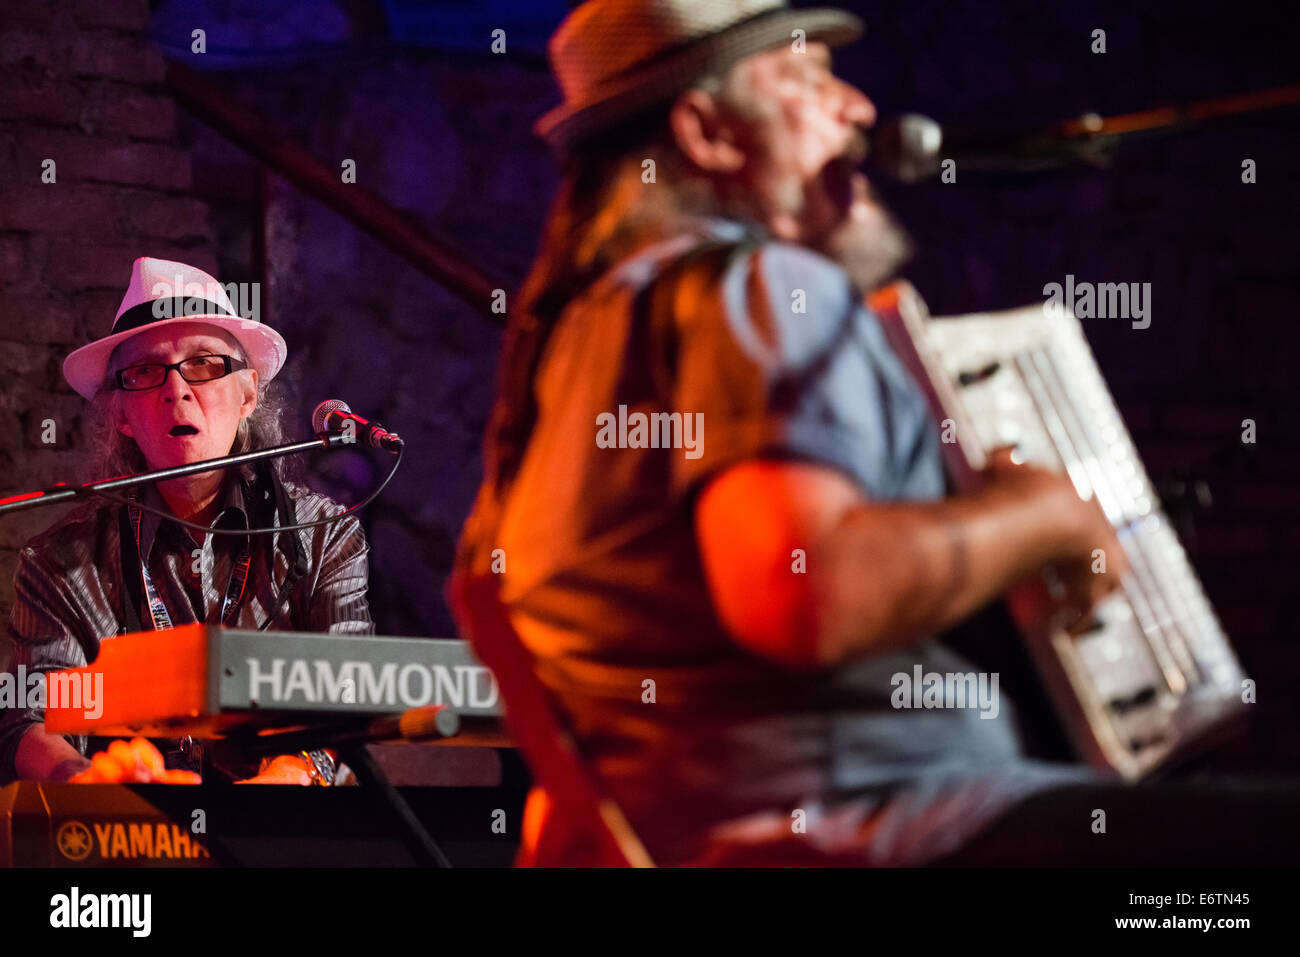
x: 682, y: 284
x: 288, y: 515
x: 132, y: 594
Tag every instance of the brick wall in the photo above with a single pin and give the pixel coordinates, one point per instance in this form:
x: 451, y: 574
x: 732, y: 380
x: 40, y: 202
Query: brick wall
x: 80, y: 85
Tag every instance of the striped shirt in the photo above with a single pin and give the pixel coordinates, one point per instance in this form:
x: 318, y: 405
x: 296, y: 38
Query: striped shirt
x: 69, y: 594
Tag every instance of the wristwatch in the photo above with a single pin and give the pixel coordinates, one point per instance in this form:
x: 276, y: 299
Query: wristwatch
x: 321, y: 766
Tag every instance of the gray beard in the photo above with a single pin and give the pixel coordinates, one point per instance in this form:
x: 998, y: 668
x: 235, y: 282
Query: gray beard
x: 870, y: 250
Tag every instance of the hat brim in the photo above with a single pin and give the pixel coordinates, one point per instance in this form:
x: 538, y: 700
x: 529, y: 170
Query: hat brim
x: 86, y: 368
x: 672, y: 74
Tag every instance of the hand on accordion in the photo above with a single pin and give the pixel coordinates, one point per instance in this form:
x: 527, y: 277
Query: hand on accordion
x: 1088, y: 561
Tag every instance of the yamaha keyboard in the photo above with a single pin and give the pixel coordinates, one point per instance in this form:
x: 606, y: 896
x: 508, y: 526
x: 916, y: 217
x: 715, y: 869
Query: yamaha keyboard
x: 208, y: 682
x: 474, y: 815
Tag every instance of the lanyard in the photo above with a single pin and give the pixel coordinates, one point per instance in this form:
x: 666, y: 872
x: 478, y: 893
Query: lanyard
x: 158, y: 610
x: 190, y: 752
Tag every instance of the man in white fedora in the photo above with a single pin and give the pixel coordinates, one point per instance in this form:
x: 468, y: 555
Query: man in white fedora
x: 181, y: 377
x: 723, y: 622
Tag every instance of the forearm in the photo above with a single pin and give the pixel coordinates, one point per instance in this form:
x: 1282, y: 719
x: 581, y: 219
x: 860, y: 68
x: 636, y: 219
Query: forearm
x: 888, y: 574
x: 44, y: 755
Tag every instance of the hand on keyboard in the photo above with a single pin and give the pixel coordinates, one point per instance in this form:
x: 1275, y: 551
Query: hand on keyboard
x: 134, y: 762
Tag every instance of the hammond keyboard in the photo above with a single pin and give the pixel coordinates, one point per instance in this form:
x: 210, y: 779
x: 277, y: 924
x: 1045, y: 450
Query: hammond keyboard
x: 208, y: 682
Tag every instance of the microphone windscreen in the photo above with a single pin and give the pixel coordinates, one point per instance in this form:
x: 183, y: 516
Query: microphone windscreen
x: 323, y: 411
x: 907, y: 147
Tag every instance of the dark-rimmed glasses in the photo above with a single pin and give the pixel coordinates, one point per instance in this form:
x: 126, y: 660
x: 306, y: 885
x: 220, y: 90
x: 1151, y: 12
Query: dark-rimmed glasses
x: 204, y: 368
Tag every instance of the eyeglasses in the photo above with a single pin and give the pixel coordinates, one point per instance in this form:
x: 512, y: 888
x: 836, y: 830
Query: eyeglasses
x: 194, y: 369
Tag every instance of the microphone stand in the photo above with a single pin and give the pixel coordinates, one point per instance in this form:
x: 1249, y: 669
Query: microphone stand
x: 62, y: 492
x: 1093, y: 139
x: 1090, y: 139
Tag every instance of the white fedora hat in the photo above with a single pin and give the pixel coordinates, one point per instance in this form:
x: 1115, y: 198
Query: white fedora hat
x: 615, y: 58
x: 161, y: 293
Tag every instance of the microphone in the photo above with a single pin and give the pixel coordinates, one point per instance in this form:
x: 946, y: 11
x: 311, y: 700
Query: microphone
x: 333, y: 415
x: 912, y: 147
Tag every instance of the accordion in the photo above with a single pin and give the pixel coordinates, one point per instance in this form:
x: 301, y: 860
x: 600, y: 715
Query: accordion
x: 1154, y: 679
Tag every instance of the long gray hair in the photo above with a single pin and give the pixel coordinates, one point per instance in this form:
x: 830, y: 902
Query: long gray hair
x: 111, y: 453
x: 601, y: 212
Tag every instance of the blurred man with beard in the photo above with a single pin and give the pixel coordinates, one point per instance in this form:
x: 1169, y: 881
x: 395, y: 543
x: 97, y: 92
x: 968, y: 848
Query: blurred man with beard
x: 723, y: 626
